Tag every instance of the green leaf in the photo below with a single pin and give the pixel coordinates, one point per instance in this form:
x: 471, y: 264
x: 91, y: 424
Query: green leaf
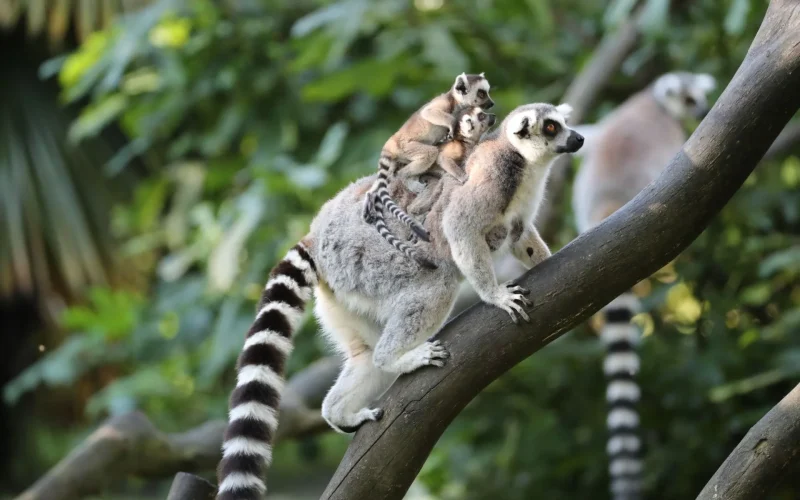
x: 97, y: 116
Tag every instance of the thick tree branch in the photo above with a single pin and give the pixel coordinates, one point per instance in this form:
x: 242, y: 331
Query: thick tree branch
x: 130, y: 445
x: 769, y: 451
x: 567, y: 288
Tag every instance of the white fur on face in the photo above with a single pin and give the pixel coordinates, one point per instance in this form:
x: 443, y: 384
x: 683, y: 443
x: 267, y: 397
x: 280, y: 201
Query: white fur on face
x: 673, y: 90
x: 532, y: 145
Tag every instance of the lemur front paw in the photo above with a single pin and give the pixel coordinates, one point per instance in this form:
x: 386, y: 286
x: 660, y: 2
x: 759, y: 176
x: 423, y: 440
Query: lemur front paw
x: 462, y: 179
x: 434, y: 353
x: 511, y: 298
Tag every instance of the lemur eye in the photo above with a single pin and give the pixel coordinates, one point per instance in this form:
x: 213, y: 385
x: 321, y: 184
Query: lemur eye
x: 689, y: 100
x: 481, y: 116
x: 482, y: 94
x: 550, y: 128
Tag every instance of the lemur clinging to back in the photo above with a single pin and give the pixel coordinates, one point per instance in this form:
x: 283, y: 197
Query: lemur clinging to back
x: 411, y: 151
x: 378, y: 308
x: 624, y: 152
x: 472, y: 123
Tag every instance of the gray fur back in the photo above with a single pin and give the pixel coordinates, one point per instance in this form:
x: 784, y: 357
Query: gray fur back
x: 353, y: 258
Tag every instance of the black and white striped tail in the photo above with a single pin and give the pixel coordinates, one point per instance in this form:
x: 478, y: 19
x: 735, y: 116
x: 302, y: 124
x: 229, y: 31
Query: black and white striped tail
x: 380, y: 194
x: 621, y: 365
x: 253, y: 417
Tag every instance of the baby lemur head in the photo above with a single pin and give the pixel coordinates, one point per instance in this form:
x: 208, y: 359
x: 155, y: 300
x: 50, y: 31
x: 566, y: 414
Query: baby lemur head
x: 540, y: 132
x: 473, y: 123
x: 472, y: 90
x: 684, y: 95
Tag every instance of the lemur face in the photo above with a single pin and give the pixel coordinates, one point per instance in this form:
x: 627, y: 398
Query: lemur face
x: 540, y: 131
x: 684, y: 95
x: 472, y: 90
x: 474, y: 123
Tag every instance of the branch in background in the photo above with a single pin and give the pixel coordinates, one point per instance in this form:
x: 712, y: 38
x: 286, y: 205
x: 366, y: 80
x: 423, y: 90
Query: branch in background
x: 582, y: 95
x: 130, y: 445
x: 787, y: 142
x: 768, y: 452
x: 385, y: 457
x: 190, y: 487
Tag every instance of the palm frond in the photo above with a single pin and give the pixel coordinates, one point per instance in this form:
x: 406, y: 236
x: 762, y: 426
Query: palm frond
x: 54, y: 199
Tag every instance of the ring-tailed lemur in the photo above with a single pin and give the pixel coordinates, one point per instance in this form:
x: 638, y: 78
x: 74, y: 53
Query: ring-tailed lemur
x: 472, y: 124
x: 378, y: 308
x: 625, y: 152
x: 411, y: 151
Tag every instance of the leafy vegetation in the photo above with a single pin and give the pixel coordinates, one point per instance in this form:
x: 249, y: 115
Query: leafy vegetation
x: 247, y: 116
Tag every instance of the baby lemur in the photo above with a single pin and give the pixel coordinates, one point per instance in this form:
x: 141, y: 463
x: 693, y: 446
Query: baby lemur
x: 378, y: 308
x: 472, y: 124
x: 412, y: 150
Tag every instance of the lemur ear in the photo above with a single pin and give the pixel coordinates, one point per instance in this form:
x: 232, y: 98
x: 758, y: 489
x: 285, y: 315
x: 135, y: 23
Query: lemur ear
x: 522, y: 130
x: 482, y: 75
x: 565, y: 110
x: 461, y: 83
x: 705, y: 82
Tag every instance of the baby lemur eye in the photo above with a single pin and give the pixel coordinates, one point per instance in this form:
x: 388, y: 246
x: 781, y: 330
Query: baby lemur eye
x: 481, y: 116
x: 689, y: 100
x: 482, y: 94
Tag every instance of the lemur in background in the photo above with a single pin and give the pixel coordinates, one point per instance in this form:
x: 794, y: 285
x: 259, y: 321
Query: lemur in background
x: 378, y: 308
x: 472, y: 123
x: 411, y: 151
x: 624, y: 152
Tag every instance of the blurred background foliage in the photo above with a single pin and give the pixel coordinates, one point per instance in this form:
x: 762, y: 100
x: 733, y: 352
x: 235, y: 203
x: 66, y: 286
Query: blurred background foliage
x: 156, y: 158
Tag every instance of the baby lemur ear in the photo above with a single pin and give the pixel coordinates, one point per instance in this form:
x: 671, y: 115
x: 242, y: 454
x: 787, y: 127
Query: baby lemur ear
x: 482, y: 75
x: 461, y: 83
x: 522, y: 130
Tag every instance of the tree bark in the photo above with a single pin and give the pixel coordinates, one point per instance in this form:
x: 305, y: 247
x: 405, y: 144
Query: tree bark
x: 769, y: 451
x: 130, y: 445
x: 637, y: 240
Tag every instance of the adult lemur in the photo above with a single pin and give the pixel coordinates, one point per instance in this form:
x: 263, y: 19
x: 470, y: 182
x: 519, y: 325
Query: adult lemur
x: 378, y: 308
x: 625, y: 152
x: 472, y: 124
x: 411, y: 151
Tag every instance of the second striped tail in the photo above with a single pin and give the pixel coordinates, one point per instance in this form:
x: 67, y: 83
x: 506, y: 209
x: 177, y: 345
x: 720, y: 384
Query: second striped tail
x: 620, y: 366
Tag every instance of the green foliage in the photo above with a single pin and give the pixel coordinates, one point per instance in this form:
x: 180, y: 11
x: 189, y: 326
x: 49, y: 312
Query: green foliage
x: 249, y: 118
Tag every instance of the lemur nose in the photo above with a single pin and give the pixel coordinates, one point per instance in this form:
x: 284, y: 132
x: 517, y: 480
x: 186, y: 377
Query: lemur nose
x: 579, y: 138
x: 488, y: 104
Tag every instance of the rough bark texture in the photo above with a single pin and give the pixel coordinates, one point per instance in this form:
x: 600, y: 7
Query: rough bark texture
x: 130, y: 445
x: 637, y: 240
x: 190, y: 487
x: 767, y: 453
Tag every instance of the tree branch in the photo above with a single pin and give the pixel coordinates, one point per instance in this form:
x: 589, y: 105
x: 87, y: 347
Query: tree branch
x: 130, y: 445
x: 763, y: 458
x: 384, y: 457
x: 787, y: 142
x: 581, y: 95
